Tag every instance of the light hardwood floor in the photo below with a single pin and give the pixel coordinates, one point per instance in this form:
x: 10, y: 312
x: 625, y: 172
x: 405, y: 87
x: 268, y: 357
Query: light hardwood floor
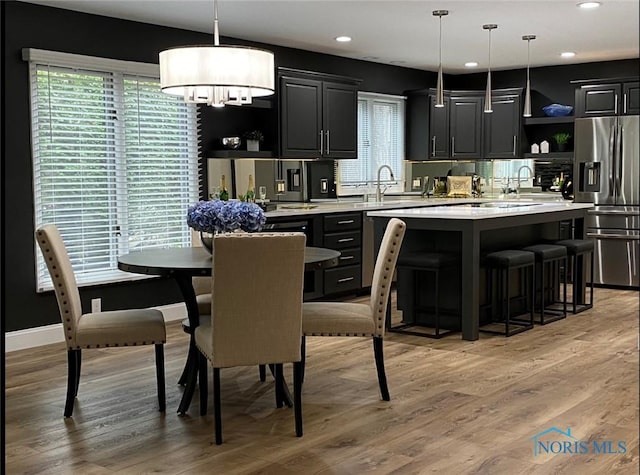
x: 456, y: 406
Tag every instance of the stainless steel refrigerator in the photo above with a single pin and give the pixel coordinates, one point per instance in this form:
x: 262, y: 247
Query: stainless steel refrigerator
x: 607, y: 173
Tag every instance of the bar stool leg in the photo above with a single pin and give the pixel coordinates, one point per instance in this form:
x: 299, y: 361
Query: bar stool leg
x: 437, y: 299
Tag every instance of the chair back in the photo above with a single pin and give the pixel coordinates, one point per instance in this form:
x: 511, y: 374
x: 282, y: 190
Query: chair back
x: 63, y: 278
x: 383, y: 271
x: 258, y: 284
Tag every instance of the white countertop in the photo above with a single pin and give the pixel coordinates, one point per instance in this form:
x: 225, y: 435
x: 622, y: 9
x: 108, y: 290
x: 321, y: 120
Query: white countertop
x: 486, y: 209
x: 336, y: 206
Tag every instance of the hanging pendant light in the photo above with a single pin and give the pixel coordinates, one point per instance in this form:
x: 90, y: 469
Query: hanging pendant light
x: 527, y: 92
x: 439, y: 88
x: 217, y: 74
x: 488, y: 107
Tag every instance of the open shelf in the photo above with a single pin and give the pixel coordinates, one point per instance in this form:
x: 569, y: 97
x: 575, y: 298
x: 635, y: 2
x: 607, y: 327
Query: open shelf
x: 233, y: 154
x: 550, y: 155
x: 549, y: 120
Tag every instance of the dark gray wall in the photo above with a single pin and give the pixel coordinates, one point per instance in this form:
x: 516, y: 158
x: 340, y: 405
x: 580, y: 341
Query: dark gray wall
x: 27, y: 25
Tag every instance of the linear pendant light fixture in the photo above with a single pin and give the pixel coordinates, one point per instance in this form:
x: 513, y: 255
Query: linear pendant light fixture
x: 439, y: 87
x: 217, y: 74
x: 488, y: 107
x: 527, y: 92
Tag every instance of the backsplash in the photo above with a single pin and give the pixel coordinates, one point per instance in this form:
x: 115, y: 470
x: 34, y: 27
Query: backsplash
x: 496, y: 173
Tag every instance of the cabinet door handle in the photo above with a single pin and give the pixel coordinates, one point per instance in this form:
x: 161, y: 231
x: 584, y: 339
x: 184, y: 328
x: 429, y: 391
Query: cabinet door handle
x: 453, y: 146
x: 624, y: 103
x: 346, y: 239
x: 615, y: 104
x: 321, y: 141
x: 433, y: 146
x: 346, y: 279
x: 346, y: 258
x: 347, y: 221
x: 515, y: 142
x: 328, y: 149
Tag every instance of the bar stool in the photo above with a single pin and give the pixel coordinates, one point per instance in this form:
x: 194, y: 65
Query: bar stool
x: 425, y: 261
x: 549, y: 256
x: 579, y: 248
x: 503, y: 263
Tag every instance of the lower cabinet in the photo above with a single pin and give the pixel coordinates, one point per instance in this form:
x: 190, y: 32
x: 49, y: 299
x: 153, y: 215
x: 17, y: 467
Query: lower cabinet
x: 343, y: 232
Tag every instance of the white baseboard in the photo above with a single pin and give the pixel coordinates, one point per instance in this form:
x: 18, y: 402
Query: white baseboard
x: 48, y: 334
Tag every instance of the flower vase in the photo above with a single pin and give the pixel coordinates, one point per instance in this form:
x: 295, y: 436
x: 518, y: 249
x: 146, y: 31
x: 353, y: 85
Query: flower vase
x: 207, y: 241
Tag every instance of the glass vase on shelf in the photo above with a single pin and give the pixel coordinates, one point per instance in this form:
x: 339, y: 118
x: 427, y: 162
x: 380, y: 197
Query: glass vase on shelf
x: 251, y: 191
x: 224, y: 192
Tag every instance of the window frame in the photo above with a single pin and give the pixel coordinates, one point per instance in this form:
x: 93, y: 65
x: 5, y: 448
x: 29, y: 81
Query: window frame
x: 368, y: 177
x: 121, y: 78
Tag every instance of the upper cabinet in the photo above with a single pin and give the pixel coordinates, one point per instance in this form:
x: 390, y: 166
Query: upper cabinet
x: 318, y: 115
x: 461, y: 129
x: 439, y: 129
x: 616, y: 97
x: 502, y: 127
x: 466, y: 126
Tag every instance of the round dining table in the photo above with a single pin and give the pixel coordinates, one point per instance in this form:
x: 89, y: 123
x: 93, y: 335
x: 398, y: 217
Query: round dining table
x: 184, y: 263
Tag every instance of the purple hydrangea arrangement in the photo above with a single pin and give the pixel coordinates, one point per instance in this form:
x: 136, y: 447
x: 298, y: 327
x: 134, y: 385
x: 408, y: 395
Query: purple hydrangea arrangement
x: 225, y: 216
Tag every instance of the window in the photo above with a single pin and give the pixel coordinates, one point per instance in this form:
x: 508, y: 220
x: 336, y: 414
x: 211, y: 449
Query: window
x: 380, y: 142
x: 115, y: 161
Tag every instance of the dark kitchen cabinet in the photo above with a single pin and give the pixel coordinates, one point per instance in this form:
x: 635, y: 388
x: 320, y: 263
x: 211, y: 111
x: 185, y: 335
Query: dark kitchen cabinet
x: 466, y: 126
x: 343, y: 232
x: 619, y: 96
x: 631, y: 98
x: 318, y: 115
x: 501, y: 128
x: 594, y: 100
x: 461, y: 129
x: 439, y: 124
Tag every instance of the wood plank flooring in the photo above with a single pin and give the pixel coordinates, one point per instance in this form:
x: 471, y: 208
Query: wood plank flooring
x: 457, y: 407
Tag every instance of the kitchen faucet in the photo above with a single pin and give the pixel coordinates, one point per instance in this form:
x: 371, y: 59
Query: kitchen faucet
x: 519, y: 170
x: 378, y: 192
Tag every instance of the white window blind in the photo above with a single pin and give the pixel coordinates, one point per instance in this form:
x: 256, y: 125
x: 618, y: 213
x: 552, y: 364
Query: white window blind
x: 115, y: 166
x: 380, y: 142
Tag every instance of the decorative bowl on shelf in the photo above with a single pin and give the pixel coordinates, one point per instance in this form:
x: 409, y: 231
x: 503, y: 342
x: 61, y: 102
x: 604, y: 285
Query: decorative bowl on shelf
x: 231, y: 143
x: 557, y: 110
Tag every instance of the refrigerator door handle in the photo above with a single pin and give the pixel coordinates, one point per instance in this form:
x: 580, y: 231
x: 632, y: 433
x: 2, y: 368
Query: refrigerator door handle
x: 622, y: 237
x: 612, y: 158
x: 619, y: 164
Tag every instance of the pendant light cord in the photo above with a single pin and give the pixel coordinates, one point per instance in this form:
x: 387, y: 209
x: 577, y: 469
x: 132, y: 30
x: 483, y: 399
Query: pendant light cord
x: 440, y: 45
x: 528, y: 57
x: 216, y: 34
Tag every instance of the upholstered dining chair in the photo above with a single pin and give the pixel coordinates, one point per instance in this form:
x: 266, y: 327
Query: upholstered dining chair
x: 96, y: 330
x: 361, y: 319
x: 256, y: 312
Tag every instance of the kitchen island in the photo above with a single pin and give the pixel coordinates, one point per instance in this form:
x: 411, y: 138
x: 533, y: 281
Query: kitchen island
x: 476, y: 228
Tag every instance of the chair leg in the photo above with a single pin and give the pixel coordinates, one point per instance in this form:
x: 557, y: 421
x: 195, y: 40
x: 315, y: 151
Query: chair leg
x: 216, y: 405
x: 72, y: 374
x: 279, y: 385
x: 297, y: 396
x: 303, y: 356
x: 78, y: 367
x: 382, y: 377
x: 160, y: 376
x: 203, y: 381
x: 262, y: 369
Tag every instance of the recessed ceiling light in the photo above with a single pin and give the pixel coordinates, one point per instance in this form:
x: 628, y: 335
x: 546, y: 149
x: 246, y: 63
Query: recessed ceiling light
x: 470, y: 64
x: 343, y: 39
x: 370, y: 58
x: 568, y: 54
x: 589, y: 5
x: 397, y: 62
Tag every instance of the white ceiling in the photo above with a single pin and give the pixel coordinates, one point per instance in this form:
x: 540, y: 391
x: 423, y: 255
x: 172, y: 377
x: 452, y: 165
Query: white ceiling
x: 402, y: 32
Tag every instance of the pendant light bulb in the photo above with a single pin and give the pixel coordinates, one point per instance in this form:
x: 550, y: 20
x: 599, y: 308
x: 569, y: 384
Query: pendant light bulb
x: 439, y: 87
x: 488, y: 107
x: 527, y: 93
